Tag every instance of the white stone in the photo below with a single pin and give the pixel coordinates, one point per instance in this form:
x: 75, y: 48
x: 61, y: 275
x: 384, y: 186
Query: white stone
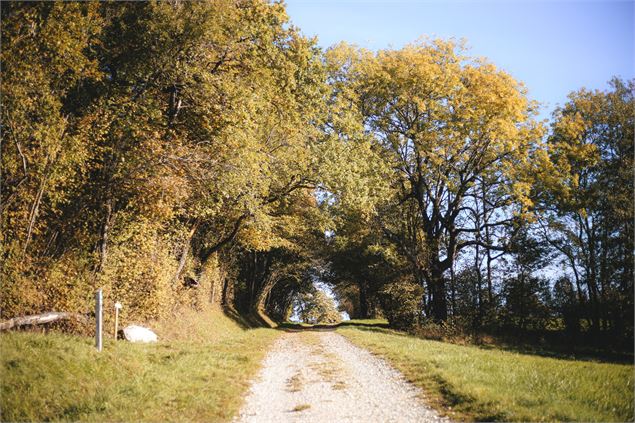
x: 134, y: 333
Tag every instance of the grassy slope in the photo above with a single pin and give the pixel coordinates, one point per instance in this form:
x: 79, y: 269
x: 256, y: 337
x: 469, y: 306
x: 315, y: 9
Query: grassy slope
x: 197, y: 372
x: 491, y: 384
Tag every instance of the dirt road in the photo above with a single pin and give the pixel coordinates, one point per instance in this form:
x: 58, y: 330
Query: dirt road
x: 322, y: 377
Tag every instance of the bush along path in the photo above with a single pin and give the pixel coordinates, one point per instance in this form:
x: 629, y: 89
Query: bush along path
x: 319, y: 376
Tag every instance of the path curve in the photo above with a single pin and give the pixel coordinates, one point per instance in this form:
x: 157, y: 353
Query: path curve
x: 322, y: 377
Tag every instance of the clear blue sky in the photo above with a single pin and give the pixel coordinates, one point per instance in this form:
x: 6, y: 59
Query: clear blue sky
x: 553, y: 47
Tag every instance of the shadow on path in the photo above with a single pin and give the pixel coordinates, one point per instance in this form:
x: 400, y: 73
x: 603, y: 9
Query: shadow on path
x: 297, y: 327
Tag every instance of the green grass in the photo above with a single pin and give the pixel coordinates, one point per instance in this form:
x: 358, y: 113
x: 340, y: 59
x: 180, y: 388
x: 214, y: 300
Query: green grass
x: 468, y: 382
x: 197, y: 372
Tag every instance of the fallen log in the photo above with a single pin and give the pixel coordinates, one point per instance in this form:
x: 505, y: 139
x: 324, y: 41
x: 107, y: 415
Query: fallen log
x: 38, y: 319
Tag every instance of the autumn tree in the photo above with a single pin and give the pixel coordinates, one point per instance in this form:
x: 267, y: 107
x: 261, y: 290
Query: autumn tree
x: 48, y: 56
x: 445, y: 123
x: 586, y: 200
x: 164, y: 132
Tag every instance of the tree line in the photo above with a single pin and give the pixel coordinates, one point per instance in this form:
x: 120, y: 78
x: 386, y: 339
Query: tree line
x: 181, y: 153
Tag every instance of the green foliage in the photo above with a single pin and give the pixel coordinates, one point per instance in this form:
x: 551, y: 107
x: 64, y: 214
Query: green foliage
x: 317, y: 308
x: 586, y: 201
x: 401, y: 304
x: 360, y: 263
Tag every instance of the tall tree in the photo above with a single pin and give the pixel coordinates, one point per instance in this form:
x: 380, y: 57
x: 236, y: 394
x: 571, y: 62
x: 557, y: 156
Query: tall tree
x: 443, y: 122
x: 586, y: 201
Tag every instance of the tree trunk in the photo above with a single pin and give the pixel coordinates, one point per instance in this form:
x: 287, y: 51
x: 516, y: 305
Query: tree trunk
x: 521, y: 312
x: 488, y: 252
x: 490, y: 295
x: 33, y: 213
x: 263, y: 294
x: 436, y: 281
x: 105, y: 233
x: 591, y: 276
x: 208, y: 280
x: 185, y: 251
x: 604, y: 279
x: 453, y: 290
x: 479, y: 286
x: 228, y: 291
x: 38, y: 198
x: 39, y: 319
x: 439, y: 302
x: 259, y: 306
x: 363, y: 300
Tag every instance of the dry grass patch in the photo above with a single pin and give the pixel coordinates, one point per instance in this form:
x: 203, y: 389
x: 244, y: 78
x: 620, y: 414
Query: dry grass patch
x: 339, y: 385
x: 329, y: 367
x: 301, y: 407
x: 294, y: 383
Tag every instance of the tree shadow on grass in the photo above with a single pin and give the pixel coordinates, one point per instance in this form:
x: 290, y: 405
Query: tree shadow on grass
x: 466, y: 404
x: 565, y: 352
x: 245, y: 321
x: 556, y: 351
x: 298, y: 327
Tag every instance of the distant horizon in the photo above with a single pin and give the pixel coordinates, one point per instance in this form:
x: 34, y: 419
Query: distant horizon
x: 553, y: 48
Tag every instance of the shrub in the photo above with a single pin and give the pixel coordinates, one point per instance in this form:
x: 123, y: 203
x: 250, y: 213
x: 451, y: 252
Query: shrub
x: 454, y: 330
x: 401, y: 302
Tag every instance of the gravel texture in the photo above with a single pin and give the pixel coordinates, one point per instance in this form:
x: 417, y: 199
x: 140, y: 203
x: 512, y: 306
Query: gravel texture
x: 322, y: 377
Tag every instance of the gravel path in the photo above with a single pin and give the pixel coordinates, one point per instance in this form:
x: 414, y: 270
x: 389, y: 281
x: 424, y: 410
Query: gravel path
x: 322, y: 377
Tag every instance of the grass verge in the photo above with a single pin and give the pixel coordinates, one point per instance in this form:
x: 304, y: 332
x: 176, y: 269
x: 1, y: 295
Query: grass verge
x: 468, y: 382
x: 197, y: 372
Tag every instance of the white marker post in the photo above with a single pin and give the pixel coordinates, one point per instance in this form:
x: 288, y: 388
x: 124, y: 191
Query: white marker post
x: 98, y: 318
x: 117, y: 308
